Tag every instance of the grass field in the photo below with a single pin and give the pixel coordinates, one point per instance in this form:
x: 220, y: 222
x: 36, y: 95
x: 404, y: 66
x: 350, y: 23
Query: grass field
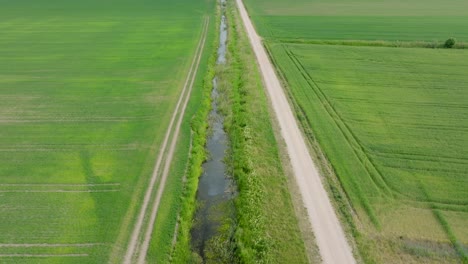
x: 413, y: 20
x: 392, y: 122
x: 85, y: 89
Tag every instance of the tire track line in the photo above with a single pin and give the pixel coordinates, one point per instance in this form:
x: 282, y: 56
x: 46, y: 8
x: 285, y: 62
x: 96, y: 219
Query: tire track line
x: 46, y: 245
x: 58, y: 184
x: 58, y: 191
x: 182, y: 103
x: 167, y: 165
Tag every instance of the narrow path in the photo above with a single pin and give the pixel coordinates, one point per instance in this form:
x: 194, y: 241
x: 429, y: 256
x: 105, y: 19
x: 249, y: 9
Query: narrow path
x: 146, y: 218
x: 329, y: 234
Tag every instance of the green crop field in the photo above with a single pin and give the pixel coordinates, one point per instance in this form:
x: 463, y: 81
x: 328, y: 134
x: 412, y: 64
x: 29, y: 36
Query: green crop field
x: 87, y: 89
x: 411, y: 20
x: 392, y: 122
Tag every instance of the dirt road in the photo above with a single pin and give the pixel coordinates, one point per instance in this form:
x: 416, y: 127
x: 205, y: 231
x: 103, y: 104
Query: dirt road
x: 141, y: 233
x: 328, y: 232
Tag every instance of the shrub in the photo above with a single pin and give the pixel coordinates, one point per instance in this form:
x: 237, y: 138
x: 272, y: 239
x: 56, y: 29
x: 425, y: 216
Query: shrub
x: 449, y: 43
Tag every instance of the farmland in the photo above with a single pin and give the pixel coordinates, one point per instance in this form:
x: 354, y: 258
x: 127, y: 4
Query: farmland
x: 87, y: 90
x: 390, y: 122
x: 413, y: 20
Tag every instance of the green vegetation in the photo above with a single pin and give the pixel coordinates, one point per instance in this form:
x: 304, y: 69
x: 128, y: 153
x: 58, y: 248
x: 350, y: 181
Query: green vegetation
x: 390, y: 144
x: 449, y: 43
x: 403, y: 20
x: 182, y: 252
x: 267, y: 229
x: 86, y: 89
x: 177, y: 204
x: 390, y: 121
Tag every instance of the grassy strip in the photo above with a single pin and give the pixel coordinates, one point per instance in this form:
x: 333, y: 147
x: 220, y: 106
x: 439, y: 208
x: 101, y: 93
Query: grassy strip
x: 373, y: 43
x: 182, y: 252
x: 267, y: 229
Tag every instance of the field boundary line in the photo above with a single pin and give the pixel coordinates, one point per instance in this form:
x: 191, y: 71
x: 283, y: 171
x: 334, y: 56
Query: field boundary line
x: 67, y: 149
x: 408, y: 44
x: 131, y: 250
x: 41, y: 255
x: 57, y: 185
x: 57, y: 191
x: 50, y: 245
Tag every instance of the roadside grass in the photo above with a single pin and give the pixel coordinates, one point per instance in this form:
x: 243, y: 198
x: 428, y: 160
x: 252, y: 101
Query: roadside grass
x: 85, y: 88
x: 267, y: 229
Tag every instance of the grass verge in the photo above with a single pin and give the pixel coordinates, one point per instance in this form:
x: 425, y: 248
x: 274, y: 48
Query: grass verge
x: 267, y: 228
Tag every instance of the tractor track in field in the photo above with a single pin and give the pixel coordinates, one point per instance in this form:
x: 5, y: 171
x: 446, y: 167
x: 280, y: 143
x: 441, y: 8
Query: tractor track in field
x: 141, y: 232
x: 329, y: 234
x: 47, y: 245
x: 42, y: 255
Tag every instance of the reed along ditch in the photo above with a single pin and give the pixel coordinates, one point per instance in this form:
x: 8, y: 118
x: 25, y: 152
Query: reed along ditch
x: 214, y: 219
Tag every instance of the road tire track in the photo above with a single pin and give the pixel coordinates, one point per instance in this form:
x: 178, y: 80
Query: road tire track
x: 167, y: 164
x: 136, y: 249
x: 328, y: 232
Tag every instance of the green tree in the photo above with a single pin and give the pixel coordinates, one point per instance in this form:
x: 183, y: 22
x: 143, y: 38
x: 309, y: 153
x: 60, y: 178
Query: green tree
x: 449, y: 43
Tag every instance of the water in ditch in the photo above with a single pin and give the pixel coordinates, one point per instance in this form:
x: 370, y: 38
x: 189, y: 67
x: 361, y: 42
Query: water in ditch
x: 215, y: 188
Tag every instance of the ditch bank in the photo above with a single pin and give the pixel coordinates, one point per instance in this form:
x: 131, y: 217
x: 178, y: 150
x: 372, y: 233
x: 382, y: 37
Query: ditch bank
x: 214, y: 219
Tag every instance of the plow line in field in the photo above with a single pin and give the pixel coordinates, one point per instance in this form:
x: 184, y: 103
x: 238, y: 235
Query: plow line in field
x: 45, y: 245
x: 41, y: 255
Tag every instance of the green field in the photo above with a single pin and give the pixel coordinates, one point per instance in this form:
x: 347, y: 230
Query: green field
x: 86, y: 90
x: 412, y: 20
x: 392, y: 122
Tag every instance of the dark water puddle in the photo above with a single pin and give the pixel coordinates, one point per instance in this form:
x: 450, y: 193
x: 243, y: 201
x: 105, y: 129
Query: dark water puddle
x: 222, y: 41
x: 215, y: 189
